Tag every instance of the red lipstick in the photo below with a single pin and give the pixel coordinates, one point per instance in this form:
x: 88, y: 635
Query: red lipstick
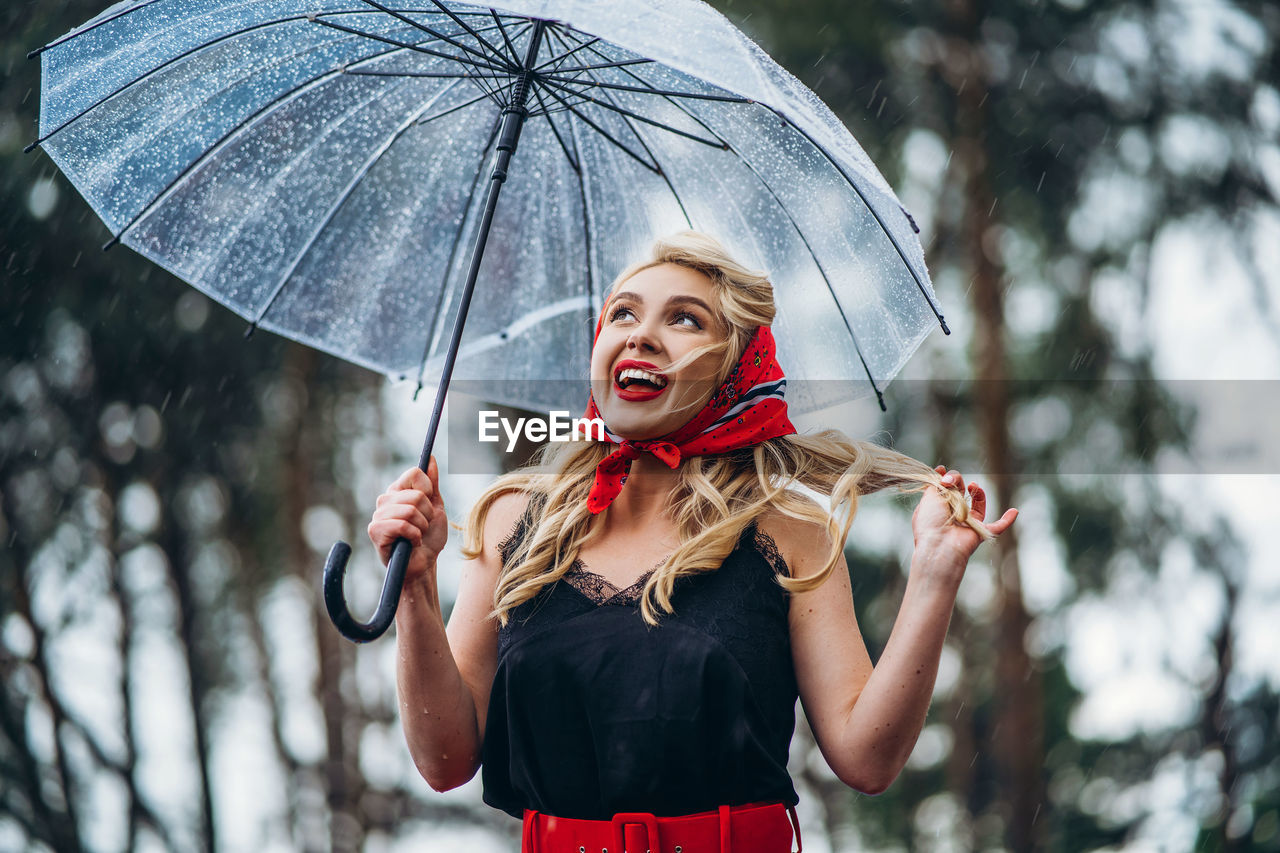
x: 636, y: 395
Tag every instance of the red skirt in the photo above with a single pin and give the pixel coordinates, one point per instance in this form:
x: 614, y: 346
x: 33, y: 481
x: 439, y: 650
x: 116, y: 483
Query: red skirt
x: 757, y: 828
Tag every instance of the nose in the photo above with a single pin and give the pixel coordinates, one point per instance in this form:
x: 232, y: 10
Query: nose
x: 642, y: 339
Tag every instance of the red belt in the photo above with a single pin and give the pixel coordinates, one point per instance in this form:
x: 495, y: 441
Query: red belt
x: 765, y: 828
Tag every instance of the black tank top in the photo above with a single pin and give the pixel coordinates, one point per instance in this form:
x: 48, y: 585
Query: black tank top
x: 593, y: 712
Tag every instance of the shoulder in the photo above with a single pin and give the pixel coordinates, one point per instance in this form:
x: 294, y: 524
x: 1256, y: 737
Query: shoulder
x: 803, y: 544
x: 503, y: 518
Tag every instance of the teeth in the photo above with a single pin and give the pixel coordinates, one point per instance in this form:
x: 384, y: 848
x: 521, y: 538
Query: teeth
x: 634, y: 373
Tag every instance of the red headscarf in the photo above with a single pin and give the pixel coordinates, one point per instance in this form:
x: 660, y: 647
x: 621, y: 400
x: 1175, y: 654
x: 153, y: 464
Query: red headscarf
x: 746, y: 409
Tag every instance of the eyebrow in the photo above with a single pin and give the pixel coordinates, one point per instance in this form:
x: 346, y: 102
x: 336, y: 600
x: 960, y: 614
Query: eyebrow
x: 675, y: 300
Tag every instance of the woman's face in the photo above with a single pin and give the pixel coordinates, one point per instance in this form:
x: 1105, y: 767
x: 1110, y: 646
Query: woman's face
x: 654, y: 318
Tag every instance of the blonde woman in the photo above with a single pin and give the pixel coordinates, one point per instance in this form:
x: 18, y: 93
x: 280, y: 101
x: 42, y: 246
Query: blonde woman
x: 638, y: 616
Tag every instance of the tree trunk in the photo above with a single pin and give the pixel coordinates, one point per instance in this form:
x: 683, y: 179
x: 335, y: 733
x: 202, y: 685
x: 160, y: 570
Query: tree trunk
x: 343, y: 783
x: 1215, y: 723
x: 1017, y: 733
x: 174, y: 544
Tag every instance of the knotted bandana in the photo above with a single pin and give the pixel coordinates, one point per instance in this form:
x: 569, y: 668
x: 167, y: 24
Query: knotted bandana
x: 746, y: 409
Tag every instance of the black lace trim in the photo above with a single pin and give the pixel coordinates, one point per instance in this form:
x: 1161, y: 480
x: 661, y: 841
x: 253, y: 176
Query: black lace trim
x: 599, y: 590
x: 510, y: 542
x: 768, y: 549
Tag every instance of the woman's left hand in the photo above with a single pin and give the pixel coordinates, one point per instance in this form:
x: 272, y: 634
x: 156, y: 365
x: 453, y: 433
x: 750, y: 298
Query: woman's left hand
x: 935, y: 532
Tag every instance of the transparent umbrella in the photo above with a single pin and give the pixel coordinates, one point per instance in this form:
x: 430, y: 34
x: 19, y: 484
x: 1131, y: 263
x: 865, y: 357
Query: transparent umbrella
x: 330, y: 170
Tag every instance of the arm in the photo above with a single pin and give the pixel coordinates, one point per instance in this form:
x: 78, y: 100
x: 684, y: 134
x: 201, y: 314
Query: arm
x: 443, y: 676
x: 866, y: 720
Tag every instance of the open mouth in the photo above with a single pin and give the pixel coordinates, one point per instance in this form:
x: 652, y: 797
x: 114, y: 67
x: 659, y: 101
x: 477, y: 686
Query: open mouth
x: 638, y: 381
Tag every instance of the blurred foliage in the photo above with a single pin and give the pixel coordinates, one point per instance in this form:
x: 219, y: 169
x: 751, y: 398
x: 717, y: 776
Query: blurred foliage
x: 1075, y: 134
x: 156, y: 469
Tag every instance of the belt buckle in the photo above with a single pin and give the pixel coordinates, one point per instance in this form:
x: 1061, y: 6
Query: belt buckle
x: 645, y: 819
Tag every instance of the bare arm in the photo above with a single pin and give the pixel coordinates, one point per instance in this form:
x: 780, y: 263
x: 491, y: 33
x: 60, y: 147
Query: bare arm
x: 443, y: 676
x: 866, y: 720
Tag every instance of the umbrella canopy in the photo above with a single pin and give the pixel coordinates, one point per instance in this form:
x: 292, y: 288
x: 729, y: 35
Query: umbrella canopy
x: 318, y: 167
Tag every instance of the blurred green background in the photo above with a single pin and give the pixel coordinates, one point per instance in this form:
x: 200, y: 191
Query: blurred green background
x: 1097, y: 186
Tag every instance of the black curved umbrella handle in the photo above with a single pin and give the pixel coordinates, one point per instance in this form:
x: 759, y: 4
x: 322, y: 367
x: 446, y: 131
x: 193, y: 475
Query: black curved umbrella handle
x: 335, y: 571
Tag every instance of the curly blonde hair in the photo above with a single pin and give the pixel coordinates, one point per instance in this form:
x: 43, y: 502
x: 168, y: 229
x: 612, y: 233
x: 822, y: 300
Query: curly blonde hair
x: 714, y: 497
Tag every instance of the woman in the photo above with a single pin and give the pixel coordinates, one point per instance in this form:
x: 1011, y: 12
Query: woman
x: 639, y: 615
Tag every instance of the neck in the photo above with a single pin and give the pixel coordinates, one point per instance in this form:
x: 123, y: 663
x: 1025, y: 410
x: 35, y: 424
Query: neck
x: 645, y: 498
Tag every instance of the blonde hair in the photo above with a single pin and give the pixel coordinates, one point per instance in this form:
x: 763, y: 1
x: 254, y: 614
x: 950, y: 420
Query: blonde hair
x: 714, y: 497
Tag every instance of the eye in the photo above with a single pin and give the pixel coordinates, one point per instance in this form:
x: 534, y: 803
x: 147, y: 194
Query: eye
x: 684, y: 318
x: 619, y: 312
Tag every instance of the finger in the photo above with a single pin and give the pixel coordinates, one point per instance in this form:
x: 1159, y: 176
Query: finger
x: 1005, y: 521
x: 406, y: 512
x: 414, y: 479
x: 953, y: 480
x: 405, y: 480
x: 407, y: 497
x: 433, y: 476
x: 978, y: 504
x: 385, y: 533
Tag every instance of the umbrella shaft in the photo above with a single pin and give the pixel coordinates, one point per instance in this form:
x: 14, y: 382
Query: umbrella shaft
x: 513, y: 116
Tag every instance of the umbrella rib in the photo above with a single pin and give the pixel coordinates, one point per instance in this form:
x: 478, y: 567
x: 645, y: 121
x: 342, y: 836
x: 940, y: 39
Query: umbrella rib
x: 649, y: 90
x: 161, y: 66
x: 441, y: 301
x: 475, y: 35
x: 435, y: 75
x: 270, y: 106
x: 511, y: 78
x: 408, y: 46
x: 662, y: 172
x: 274, y: 103
x: 653, y: 167
x: 498, y: 55
x: 563, y: 147
x: 360, y: 175
x: 821, y: 270
x: 612, y: 64
x: 884, y: 228
x: 559, y: 60
x: 452, y: 109
x: 562, y: 57
x: 493, y: 80
x: 511, y: 48
x: 186, y: 53
x: 675, y: 103
x: 611, y: 105
x: 586, y: 225
x: 90, y: 28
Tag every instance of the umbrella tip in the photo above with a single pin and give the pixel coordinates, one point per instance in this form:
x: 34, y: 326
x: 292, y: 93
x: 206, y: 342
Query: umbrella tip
x: 911, y: 219
x: 417, y: 390
x: 248, y: 333
x: 31, y: 147
x: 880, y: 400
x: 946, y: 330
x: 34, y: 53
x: 107, y: 245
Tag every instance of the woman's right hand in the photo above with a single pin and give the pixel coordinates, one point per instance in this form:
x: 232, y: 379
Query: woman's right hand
x: 411, y: 508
